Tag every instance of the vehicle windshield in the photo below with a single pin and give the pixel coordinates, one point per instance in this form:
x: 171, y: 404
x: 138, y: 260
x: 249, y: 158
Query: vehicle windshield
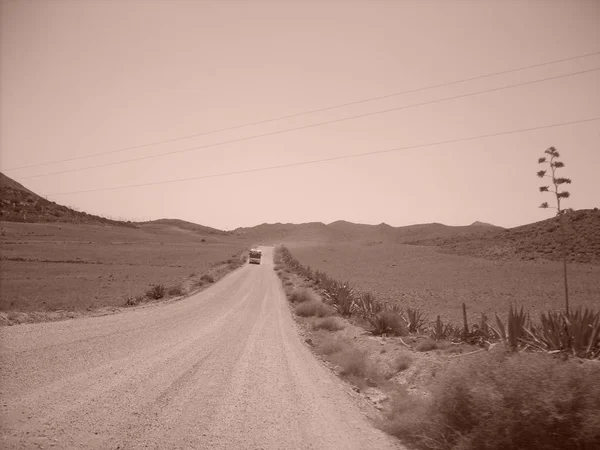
x: 254, y: 254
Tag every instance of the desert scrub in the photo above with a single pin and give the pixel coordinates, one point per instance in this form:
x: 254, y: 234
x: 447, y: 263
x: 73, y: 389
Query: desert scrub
x: 495, y: 401
x: 301, y: 295
x: 401, y: 362
x: 387, y: 323
x: 328, y: 323
x: 313, y: 308
x: 175, y: 290
x: 206, y: 278
x: 156, y: 292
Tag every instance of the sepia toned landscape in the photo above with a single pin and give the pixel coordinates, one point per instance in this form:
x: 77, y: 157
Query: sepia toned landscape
x: 329, y: 225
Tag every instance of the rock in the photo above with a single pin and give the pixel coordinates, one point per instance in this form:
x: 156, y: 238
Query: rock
x: 309, y: 341
x: 370, y: 382
x: 376, y: 396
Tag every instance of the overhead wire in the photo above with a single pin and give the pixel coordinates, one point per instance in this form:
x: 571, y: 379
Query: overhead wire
x: 313, y: 125
x: 306, y: 112
x: 329, y: 159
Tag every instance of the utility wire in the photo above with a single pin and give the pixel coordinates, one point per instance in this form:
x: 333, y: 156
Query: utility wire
x: 311, y: 111
x: 303, y: 127
x: 334, y: 158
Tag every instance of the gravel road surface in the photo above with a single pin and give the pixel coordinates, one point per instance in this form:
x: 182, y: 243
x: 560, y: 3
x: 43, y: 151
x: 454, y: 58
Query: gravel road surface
x: 222, y: 369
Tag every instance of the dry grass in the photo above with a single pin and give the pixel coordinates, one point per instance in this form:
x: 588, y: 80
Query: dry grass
x: 401, y: 362
x: 425, y: 345
x: 354, y: 363
x: 301, y: 295
x: 175, y: 290
x: 313, y: 308
x: 328, y: 323
x: 497, y: 402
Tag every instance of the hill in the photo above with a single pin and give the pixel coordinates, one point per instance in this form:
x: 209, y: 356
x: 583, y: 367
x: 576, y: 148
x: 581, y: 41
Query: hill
x: 536, y: 240
x: 276, y: 233
x: 19, y: 204
x: 184, y: 225
x: 344, y: 231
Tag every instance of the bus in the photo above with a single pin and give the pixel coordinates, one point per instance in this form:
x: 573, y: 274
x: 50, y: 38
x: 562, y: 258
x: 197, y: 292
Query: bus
x: 254, y: 256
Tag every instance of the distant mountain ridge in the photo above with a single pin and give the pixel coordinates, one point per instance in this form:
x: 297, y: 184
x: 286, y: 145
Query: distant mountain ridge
x: 341, y: 230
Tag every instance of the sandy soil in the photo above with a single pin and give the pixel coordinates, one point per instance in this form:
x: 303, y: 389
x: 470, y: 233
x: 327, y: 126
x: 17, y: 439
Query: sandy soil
x: 438, y: 282
x: 221, y: 369
x: 50, y: 267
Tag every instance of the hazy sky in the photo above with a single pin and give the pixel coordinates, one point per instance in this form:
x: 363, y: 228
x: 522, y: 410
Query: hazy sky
x: 85, y: 77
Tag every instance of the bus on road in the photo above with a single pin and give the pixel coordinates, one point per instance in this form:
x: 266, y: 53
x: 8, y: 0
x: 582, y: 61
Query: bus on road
x: 254, y: 257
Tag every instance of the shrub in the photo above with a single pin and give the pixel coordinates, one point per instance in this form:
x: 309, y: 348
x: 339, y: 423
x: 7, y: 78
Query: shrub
x: 387, y: 323
x: 175, y: 290
x: 132, y: 301
x: 525, y: 400
x: 401, y: 362
x: 313, y: 308
x: 328, y: 323
x: 425, y: 345
x: 207, y: 278
x: 301, y: 295
x: 157, y: 291
x: 415, y: 319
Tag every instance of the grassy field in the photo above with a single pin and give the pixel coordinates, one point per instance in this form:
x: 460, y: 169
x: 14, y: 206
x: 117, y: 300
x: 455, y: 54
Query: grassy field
x: 438, y: 282
x: 49, y: 267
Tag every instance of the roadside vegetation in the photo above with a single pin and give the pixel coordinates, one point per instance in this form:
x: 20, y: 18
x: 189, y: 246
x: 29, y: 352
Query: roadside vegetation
x: 508, y: 382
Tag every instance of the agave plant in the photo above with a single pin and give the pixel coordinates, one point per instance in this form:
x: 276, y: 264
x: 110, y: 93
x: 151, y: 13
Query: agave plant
x: 515, y: 332
x: 446, y: 330
x: 387, y: 322
x: 415, y: 319
x: 343, y: 299
x: 367, y: 305
x: 576, y: 331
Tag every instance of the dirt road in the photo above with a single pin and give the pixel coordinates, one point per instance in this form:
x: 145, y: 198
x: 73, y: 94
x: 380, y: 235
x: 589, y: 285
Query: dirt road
x: 222, y: 369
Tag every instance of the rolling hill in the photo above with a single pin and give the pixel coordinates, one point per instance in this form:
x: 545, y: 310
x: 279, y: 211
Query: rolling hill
x: 536, y: 240
x: 19, y: 204
x: 184, y: 225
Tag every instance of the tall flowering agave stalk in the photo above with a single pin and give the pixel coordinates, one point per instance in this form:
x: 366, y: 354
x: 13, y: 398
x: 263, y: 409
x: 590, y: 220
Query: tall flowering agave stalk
x: 554, y: 164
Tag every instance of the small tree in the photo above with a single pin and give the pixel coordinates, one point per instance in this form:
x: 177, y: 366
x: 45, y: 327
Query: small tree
x: 555, y: 164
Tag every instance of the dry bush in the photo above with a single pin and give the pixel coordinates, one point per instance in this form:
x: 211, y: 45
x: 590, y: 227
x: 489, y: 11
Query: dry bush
x: 301, y: 295
x: 328, y: 323
x: 175, y: 290
x: 157, y: 291
x: 207, y: 278
x: 330, y: 345
x: 313, y: 308
x: 389, y: 323
x: 133, y: 301
x: 426, y: 345
x: 401, y: 362
x: 493, y: 402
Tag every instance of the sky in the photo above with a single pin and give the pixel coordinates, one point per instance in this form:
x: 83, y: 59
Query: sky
x: 127, y: 79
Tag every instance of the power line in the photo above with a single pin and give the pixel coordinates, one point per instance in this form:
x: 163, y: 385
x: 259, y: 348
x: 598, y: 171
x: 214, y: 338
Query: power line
x: 334, y: 158
x: 311, y: 111
x: 303, y: 127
